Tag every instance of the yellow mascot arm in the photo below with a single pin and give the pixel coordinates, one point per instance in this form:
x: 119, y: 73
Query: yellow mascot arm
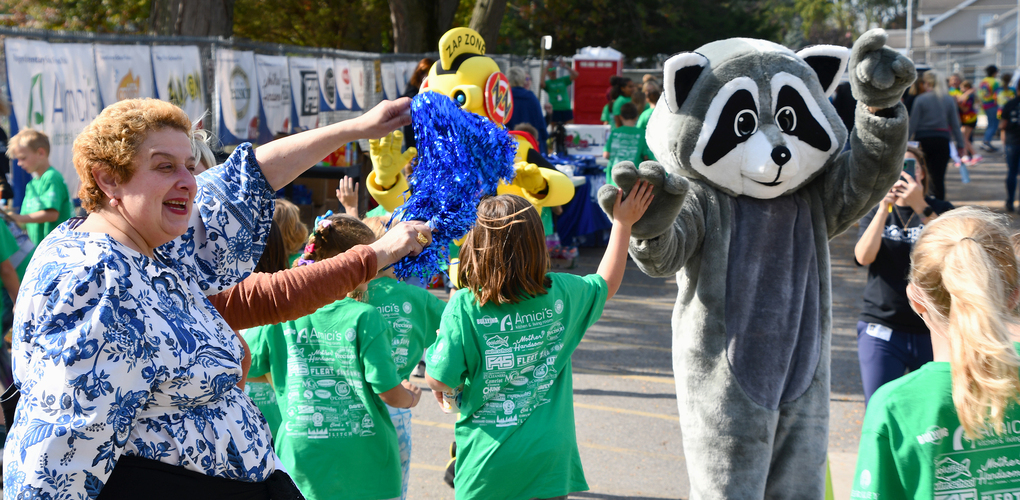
x: 386, y: 183
x: 543, y: 187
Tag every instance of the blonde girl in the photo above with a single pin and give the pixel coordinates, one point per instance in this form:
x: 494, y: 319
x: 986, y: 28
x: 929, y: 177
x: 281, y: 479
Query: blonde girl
x: 951, y: 426
x: 332, y: 372
x: 507, y: 338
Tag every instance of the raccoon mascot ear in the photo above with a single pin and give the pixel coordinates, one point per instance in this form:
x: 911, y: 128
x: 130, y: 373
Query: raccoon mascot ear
x: 829, y: 62
x: 678, y: 75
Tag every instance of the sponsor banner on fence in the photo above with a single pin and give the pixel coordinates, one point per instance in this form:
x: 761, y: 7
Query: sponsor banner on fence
x: 237, y: 96
x: 327, y: 85
x: 389, y: 81
x: 53, y: 90
x: 404, y: 76
x: 359, y: 81
x: 273, y: 76
x: 344, y: 89
x: 304, y: 88
x: 124, y: 71
x: 178, y: 72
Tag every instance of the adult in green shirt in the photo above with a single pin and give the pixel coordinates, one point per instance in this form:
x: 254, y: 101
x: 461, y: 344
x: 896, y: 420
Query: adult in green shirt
x: 952, y: 428
x: 653, y: 92
x: 331, y: 372
x: 559, y: 92
x: 47, y: 202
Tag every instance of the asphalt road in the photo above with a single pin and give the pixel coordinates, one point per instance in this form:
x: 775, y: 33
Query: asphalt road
x: 624, y: 397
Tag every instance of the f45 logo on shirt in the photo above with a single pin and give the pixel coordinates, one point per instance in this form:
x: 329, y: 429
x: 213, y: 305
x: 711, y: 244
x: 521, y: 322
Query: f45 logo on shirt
x: 499, y: 361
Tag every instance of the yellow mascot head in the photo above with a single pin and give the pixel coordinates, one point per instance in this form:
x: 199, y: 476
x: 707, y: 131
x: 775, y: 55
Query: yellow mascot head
x: 473, y: 81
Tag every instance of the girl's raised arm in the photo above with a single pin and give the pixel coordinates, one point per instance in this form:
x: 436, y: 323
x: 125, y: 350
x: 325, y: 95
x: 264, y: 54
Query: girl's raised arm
x: 625, y: 213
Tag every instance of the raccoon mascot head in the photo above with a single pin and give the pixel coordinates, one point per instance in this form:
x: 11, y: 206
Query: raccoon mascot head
x: 749, y: 116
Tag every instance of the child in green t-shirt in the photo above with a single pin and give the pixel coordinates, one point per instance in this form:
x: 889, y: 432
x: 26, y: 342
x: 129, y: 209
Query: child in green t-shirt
x: 47, y: 202
x: 507, y: 338
x: 413, y: 315
x: 625, y: 143
x: 333, y: 374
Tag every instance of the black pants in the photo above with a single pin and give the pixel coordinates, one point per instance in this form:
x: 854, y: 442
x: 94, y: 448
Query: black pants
x: 136, y: 477
x: 936, y: 155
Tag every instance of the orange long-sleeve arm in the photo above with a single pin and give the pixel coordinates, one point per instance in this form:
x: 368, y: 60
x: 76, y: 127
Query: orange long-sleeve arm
x: 270, y: 298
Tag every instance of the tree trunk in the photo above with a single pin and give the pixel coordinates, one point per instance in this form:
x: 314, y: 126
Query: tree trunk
x: 418, y: 24
x: 192, y: 17
x: 486, y: 18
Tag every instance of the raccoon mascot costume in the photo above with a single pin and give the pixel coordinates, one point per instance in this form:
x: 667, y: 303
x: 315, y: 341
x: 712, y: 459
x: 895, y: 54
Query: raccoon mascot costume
x: 750, y: 186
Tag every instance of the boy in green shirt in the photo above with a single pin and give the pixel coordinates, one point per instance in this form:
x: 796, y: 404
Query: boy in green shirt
x: 625, y: 143
x: 47, y: 203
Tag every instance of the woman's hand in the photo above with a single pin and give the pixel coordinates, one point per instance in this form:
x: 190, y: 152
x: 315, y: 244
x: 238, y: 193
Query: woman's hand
x: 403, y: 239
x: 889, y: 199
x: 908, y: 190
x: 347, y: 195
x: 384, y: 118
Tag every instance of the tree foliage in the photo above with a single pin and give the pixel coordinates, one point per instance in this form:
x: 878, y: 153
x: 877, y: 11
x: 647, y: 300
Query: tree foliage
x: 638, y: 28
x: 104, y: 16
x: 338, y: 24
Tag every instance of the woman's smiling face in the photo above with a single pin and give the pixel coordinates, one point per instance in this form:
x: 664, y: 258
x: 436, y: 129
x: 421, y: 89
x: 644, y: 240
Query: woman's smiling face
x: 157, y: 201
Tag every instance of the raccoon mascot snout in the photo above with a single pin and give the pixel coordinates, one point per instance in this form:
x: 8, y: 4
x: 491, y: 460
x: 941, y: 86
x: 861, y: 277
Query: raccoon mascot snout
x: 750, y: 186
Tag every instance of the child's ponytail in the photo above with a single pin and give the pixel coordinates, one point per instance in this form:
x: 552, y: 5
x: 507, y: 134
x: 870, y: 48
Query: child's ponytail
x: 333, y: 235
x: 965, y: 269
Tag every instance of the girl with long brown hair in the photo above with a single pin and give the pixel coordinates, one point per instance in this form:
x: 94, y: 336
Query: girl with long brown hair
x: 507, y: 337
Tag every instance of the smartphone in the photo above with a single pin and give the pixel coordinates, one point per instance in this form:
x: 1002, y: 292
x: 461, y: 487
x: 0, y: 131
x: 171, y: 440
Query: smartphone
x: 909, y: 165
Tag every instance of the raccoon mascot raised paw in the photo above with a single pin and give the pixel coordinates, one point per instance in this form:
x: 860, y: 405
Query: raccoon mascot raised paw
x: 750, y: 186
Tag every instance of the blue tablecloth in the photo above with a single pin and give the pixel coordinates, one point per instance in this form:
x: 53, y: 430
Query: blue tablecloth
x: 583, y: 223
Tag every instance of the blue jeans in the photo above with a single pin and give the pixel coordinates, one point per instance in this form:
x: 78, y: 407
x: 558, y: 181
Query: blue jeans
x: 993, y: 124
x: 1012, y: 164
x: 887, y: 360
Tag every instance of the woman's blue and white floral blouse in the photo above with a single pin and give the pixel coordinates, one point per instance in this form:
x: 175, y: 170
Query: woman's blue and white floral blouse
x: 119, y: 354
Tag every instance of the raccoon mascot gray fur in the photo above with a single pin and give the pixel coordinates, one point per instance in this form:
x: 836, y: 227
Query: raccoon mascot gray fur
x: 750, y: 186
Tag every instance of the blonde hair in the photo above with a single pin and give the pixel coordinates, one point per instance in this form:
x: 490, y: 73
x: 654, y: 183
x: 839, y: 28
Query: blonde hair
x: 200, y: 148
x: 377, y: 224
x: 294, y: 232
x: 28, y: 138
x: 964, y: 271
x: 112, y: 140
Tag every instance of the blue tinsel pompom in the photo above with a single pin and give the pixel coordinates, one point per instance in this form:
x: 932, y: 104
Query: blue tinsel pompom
x: 461, y: 159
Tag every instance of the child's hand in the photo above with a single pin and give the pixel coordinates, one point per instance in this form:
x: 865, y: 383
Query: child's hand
x: 630, y: 210
x: 347, y: 194
x: 414, y: 390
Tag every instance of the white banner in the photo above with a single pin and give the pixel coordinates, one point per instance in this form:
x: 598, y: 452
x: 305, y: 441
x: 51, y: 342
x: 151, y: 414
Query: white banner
x: 389, y: 81
x: 178, y: 72
x: 359, y: 81
x: 125, y: 72
x: 53, y: 90
x: 237, y: 96
x: 327, y: 85
x: 274, y: 93
x: 405, y: 68
x: 344, y: 90
x: 304, y: 87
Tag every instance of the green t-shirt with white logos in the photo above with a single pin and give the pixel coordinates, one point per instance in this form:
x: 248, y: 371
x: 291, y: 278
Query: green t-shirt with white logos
x: 625, y: 144
x: 336, y: 438
x: 516, y: 411
x: 413, y: 314
x: 48, y: 191
x: 913, y: 447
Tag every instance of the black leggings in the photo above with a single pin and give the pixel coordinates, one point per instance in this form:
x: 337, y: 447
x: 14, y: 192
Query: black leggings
x: 936, y: 155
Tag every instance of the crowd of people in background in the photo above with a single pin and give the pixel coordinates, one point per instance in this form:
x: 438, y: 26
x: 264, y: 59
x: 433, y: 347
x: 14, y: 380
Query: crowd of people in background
x: 137, y: 325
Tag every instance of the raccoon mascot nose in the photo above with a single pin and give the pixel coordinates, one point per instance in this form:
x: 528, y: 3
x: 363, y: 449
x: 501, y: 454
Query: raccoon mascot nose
x: 781, y: 155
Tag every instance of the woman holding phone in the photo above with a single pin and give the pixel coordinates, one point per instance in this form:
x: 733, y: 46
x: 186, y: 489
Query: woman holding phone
x: 891, y: 338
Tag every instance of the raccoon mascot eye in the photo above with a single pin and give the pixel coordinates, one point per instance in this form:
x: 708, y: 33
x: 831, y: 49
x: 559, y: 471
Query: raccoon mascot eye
x: 746, y: 123
x: 786, y: 118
